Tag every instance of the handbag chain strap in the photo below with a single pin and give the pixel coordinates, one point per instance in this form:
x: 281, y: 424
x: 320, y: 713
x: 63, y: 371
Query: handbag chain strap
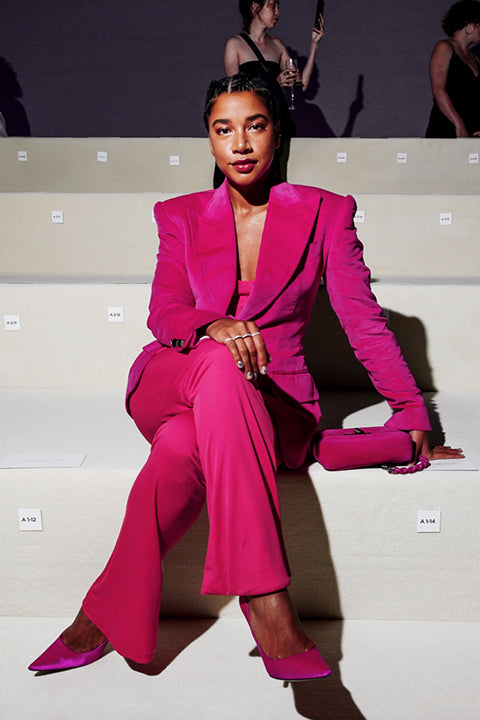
x: 407, y: 470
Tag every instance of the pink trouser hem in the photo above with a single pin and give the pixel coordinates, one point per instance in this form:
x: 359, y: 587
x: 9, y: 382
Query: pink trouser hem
x: 142, y: 657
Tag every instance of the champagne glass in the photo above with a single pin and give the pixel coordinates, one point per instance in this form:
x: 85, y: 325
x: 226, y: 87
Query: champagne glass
x: 292, y: 69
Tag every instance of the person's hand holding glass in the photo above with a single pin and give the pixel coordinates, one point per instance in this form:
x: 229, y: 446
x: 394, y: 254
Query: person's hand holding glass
x: 292, y: 74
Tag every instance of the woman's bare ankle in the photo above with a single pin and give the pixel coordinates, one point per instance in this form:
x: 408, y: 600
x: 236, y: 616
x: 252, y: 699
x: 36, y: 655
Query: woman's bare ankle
x: 82, y: 635
x: 276, y: 625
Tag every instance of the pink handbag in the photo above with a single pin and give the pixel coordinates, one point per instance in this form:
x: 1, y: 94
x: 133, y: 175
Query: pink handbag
x: 350, y: 448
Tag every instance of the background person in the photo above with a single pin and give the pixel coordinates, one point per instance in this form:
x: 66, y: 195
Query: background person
x: 455, y: 75
x: 258, y: 19
x: 15, y: 121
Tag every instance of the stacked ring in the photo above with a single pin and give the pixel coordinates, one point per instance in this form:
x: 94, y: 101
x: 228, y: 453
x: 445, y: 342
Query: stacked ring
x: 235, y: 337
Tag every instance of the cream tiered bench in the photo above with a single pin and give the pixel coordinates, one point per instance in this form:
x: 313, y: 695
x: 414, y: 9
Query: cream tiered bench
x: 358, y: 561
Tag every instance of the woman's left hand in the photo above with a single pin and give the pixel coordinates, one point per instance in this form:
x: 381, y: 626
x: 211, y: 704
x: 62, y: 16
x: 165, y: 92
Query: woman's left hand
x: 245, y: 343
x: 439, y: 452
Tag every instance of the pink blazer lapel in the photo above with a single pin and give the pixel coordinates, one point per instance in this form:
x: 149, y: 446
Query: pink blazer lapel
x: 215, y: 250
x: 288, y: 228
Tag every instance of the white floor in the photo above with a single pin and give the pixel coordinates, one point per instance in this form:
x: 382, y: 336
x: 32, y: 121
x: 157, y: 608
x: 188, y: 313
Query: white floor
x: 206, y: 669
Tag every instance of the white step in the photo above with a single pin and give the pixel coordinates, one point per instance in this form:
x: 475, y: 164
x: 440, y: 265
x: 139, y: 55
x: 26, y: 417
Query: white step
x: 101, y: 234
x: 351, y: 536
x: 205, y: 669
x: 125, y: 165
x: 113, y: 234
x: 387, y: 165
x: 373, y: 165
x: 66, y: 340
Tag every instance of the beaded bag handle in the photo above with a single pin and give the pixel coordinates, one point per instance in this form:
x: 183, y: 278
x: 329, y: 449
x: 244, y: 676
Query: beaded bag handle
x: 408, y: 469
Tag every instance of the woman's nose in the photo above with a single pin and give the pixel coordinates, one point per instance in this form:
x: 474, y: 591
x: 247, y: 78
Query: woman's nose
x: 242, y: 143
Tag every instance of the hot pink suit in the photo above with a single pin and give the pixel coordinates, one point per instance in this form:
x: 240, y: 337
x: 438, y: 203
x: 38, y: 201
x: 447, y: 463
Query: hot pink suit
x: 216, y: 436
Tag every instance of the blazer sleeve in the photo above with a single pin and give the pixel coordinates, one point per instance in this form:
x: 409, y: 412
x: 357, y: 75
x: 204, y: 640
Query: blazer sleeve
x: 347, y: 281
x: 173, y: 318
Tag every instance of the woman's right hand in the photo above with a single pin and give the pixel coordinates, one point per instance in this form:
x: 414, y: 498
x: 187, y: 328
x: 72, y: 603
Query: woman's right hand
x: 439, y: 452
x: 245, y: 343
x: 287, y: 78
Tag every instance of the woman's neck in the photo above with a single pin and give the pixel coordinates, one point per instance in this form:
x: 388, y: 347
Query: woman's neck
x: 247, y: 199
x: 257, y: 31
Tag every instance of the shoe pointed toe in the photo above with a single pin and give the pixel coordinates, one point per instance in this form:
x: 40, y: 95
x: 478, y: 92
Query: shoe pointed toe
x: 60, y: 657
x: 302, y: 666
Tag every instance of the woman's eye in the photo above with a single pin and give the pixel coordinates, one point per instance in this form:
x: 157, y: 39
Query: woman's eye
x: 223, y: 131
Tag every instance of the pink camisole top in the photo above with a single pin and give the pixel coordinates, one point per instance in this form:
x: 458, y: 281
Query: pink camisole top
x: 240, y: 297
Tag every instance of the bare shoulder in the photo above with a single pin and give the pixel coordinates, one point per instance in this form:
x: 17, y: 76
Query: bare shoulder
x: 442, y: 50
x: 234, y: 42
x: 278, y: 44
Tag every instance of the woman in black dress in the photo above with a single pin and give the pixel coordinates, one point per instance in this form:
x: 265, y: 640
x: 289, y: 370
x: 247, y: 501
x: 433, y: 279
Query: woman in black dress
x: 455, y: 75
x: 258, y: 19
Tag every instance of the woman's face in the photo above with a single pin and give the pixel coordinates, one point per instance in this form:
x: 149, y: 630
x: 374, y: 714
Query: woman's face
x: 243, y: 137
x: 269, y: 13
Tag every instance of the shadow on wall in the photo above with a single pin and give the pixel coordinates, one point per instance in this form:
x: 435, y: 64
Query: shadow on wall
x: 16, y: 121
x: 309, y: 119
x: 335, y: 367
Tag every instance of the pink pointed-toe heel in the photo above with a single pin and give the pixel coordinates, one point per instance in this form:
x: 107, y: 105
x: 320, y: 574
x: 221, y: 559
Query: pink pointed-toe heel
x: 59, y: 657
x: 302, y: 666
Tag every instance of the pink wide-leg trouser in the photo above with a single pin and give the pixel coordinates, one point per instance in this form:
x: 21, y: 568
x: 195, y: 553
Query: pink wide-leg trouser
x: 212, y: 439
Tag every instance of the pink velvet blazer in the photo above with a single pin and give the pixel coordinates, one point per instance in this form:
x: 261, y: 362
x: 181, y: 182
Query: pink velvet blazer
x: 309, y: 234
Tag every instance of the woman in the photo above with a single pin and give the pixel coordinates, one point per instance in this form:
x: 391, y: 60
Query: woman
x: 455, y: 75
x: 258, y: 19
x: 223, y: 393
